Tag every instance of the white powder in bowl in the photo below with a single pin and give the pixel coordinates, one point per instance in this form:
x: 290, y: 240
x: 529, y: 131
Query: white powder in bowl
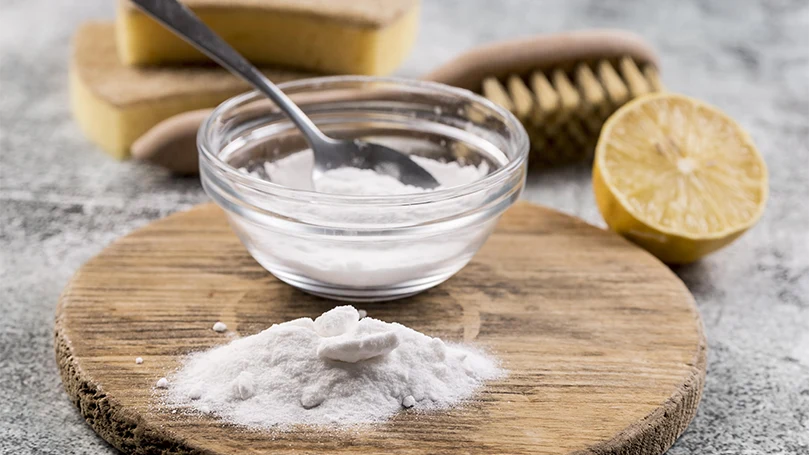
x: 294, y: 171
x: 338, y: 370
x: 345, y: 260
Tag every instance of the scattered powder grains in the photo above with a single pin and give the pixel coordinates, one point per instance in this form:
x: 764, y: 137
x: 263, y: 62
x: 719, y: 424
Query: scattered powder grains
x: 162, y: 383
x: 409, y: 401
x: 337, y: 370
x: 219, y: 327
x: 138, y: 360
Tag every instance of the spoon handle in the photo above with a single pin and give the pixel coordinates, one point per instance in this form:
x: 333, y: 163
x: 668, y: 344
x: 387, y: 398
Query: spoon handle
x: 179, y: 19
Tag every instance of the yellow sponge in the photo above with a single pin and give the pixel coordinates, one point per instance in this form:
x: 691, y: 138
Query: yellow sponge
x: 115, y: 104
x: 331, y: 36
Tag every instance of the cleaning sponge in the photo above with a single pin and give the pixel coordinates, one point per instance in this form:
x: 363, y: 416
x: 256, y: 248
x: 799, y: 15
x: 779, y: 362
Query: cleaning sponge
x: 331, y: 36
x: 115, y: 104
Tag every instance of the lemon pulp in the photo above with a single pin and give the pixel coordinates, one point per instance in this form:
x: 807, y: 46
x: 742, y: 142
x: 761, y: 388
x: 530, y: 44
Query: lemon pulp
x: 677, y: 176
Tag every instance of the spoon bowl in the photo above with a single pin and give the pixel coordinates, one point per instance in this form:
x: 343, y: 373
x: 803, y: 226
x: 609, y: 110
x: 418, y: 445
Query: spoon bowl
x: 368, y: 155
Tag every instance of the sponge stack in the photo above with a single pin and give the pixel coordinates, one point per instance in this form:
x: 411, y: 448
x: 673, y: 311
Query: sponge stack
x: 129, y: 76
x: 115, y: 104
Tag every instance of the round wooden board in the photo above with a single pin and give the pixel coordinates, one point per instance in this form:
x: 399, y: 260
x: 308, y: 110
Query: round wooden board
x: 603, y: 343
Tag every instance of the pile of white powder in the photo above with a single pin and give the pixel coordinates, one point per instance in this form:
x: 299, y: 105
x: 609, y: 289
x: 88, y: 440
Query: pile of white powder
x: 338, y: 370
x: 294, y: 171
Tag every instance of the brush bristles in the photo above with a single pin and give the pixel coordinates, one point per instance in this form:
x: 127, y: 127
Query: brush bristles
x: 563, y: 112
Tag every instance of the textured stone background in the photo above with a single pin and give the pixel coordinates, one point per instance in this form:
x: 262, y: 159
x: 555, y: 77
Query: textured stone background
x: 62, y: 201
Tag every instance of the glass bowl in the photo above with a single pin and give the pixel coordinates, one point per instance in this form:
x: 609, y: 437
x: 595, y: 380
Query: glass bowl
x: 362, y: 248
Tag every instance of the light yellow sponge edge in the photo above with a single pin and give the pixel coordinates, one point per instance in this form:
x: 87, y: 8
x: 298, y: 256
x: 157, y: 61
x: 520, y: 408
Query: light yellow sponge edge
x: 115, y: 104
x: 368, y: 37
x: 115, y: 128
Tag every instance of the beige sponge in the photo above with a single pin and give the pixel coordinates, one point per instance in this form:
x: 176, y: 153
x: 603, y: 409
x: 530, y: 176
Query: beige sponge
x: 331, y: 36
x: 115, y: 104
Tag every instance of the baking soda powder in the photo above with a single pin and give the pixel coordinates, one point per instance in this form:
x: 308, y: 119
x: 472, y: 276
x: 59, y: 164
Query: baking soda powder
x: 295, y: 171
x: 389, y: 261
x: 338, y: 370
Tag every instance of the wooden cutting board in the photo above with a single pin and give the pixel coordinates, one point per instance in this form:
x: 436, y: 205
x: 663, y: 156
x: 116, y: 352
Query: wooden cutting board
x: 604, y: 345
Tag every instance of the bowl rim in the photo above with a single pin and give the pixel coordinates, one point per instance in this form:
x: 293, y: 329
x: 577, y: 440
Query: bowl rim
x: 521, y: 142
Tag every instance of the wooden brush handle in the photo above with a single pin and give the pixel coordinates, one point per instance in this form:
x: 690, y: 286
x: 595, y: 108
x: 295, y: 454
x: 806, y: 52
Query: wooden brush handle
x: 523, y: 55
x: 172, y: 143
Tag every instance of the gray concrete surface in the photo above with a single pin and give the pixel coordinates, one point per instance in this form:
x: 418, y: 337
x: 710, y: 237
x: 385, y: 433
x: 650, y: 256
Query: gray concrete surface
x: 62, y: 201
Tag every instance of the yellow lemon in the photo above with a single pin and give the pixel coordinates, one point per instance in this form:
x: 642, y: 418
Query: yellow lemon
x: 677, y: 177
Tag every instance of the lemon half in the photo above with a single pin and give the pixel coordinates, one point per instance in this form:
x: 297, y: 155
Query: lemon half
x: 677, y: 177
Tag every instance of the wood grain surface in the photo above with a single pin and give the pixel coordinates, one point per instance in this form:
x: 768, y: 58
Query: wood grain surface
x: 603, y: 343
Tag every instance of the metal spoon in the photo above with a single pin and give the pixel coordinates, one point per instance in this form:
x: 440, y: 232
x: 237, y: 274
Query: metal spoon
x: 329, y: 153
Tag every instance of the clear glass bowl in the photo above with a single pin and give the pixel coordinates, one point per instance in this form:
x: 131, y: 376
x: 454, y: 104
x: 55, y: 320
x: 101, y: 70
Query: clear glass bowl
x: 363, y: 248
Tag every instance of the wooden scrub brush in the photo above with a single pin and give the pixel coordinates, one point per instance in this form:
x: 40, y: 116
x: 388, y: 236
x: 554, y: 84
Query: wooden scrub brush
x: 562, y: 87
